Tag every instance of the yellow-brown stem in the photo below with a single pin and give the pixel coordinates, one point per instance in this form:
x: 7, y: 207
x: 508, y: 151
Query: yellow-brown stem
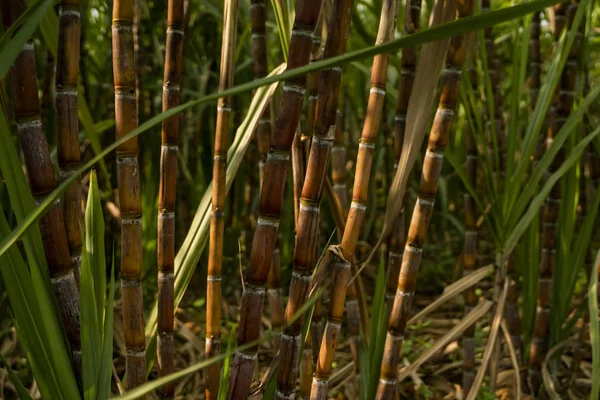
x: 167, y: 194
x: 417, y: 233
x: 130, y: 203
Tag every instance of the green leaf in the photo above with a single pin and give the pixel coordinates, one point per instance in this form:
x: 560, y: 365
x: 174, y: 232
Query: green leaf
x: 94, y: 241
x: 539, y: 199
x: 13, y: 40
x: 379, y: 324
x: 225, y: 371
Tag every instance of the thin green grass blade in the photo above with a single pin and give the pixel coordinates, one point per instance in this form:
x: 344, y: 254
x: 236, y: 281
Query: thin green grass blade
x: 528, y: 191
x: 94, y: 240
x: 12, y: 41
x: 21, y: 391
x: 594, y: 329
x: 91, y: 342
x: 542, y: 105
x: 28, y: 317
x: 574, y: 262
x: 539, y: 199
x: 225, y: 371
x: 104, y: 386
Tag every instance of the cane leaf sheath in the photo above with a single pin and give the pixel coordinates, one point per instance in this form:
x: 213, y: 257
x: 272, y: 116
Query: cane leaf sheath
x: 167, y: 193
x: 271, y: 199
x: 417, y: 233
x: 305, y: 250
x: 128, y: 178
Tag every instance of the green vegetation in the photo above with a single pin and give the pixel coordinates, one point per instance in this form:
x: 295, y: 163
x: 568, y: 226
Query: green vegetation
x: 171, y: 226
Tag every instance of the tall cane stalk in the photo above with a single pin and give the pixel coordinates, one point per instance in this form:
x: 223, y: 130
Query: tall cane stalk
x: 470, y: 247
x: 167, y: 194
x: 42, y: 181
x: 356, y: 215
x: 130, y: 202
x: 67, y: 121
x: 419, y: 224
x: 219, y: 191
x: 559, y: 112
x: 396, y: 241
x: 307, y: 237
x: 271, y: 199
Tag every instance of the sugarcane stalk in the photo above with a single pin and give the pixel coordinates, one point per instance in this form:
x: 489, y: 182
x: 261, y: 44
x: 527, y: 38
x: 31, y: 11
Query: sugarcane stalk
x: 274, y: 297
x: 396, y: 241
x: 67, y: 121
x: 356, y: 215
x: 167, y: 194
x: 130, y: 203
x: 338, y: 165
x: 559, y: 112
x: 470, y: 248
x: 417, y: 233
x: 305, y: 250
x: 219, y: 191
x: 40, y: 172
x: 271, y: 200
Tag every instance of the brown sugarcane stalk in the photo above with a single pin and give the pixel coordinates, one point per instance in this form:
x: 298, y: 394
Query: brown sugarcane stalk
x: 559, y: 112
x: 338, y: 165
x: 130, y: 202
x: 219, y: 191
x: 167, y: 194
x: 396, y: 241
x: 356, y: 215
x: 417, y: 233
x: 42, y: 181
x: 67, y: 121
x: 271, y: 199
x: 274, y: 297
x: 307, y: 236
x: 470, y: 248
x: 312, y: 87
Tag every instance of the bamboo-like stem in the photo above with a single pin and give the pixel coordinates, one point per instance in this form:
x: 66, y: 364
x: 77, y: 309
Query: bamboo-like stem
x: 397, y: 240
x: 274, y: 297
x: 260, y: 68
x: 167, y: 194
x: 356, y: 215
x: 42, y: 181
x: 312, y: 87
x: 130, y: 202
x: 271, y: 199
x: 307, y: 236
x: 306, y: 369
x: 338, y: 165
x: 470, y: 248
x: 219, y: 191
x: 417, y: 233
x: 67, y: 121
x: 559, y: 112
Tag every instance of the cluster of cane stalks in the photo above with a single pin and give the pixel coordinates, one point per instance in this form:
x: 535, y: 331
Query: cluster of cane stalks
x: 304, y: 350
